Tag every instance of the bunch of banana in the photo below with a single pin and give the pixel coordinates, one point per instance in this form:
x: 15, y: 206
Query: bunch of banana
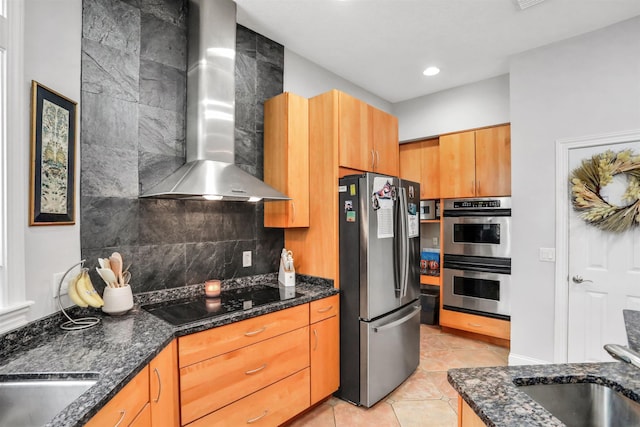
x: 82, y: 292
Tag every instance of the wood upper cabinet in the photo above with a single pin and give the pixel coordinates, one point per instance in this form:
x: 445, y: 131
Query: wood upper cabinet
x: 420, y: 162
x: 163, y: 387
x: 286, y: 159
x: 476, y: 163
x: 493, y: 161
x: 324, y: 344
x: 385, y: 142
x: 368, y: 137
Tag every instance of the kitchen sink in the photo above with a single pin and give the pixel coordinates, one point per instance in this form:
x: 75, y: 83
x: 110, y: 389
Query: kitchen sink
x: 34, y: 402
x: 585, y: 404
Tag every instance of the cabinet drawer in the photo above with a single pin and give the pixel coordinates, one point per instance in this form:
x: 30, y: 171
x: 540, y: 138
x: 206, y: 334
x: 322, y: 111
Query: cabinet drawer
x: 206, y: 344
x: 216, y: 382
x: 125, y: 406
x: 477, y: 324
x: 324, y: 308
x: 270, y: 406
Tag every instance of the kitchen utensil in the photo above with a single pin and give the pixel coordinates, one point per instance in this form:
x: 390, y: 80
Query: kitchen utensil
x: 108, y: 276
x: 126, y: 277
x: 116, y: 266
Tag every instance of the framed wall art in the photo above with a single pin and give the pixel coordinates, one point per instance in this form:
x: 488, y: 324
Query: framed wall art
x: 53, y: 148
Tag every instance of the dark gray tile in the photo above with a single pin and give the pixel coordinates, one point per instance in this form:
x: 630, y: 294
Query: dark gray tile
x: 268, y: 251
x: 162, y: 86
x: 239, y: 220
x: 108, y: 172
x: 246, y: 115
x: 245, y: 42
x: 245, y: 148
x: 109, y: 71
x: 269, y: 83
x: 159, y: 267
x: 161, y: 221
x: 108, y: 222
x: 269, y: 51
x: 204, y: 221
x: 161, y: 131
x: 246, y: 77
x: 234, y: 253
x: 259, y: 155
x: 153, y: 168
x: 163, y: 42
x: 112, y: 23
x: 172, y: 11
x: 205, y: 261
x: 109, y: 122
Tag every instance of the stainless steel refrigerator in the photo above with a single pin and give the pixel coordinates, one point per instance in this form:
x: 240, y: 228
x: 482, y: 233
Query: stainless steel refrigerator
x: 379, y: 285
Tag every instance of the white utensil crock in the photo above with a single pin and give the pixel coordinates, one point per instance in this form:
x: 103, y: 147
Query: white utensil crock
x: 117, y: 301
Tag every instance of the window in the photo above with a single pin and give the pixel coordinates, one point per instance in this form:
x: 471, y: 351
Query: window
x: 13, y: 148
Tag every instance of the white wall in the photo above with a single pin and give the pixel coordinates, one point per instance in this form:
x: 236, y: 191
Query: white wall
x: 308, y: 79
x: 53, y: 29
x: 475, y: 105
x: 583, y: 86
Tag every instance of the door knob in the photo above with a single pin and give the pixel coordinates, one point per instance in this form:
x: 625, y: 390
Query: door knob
x: 578, y: 279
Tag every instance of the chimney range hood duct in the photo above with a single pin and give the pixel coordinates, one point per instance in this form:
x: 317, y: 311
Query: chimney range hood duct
x: 210, y: 172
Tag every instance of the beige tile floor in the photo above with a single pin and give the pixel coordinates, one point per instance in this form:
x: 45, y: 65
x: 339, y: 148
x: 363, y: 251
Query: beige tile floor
x: 425, y: 399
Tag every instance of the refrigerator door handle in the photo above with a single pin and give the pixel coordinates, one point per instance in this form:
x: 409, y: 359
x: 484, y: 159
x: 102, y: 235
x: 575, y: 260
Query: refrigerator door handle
x: 398, y: 249
x: 390, y: 325
x: 404, y: 239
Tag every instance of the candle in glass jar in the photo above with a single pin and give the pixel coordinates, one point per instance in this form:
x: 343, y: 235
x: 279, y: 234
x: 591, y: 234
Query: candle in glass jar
x: 212, y: 288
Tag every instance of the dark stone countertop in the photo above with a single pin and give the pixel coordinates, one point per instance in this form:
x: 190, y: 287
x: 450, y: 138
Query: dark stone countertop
x: 118, y: 348
x: 493, y: 393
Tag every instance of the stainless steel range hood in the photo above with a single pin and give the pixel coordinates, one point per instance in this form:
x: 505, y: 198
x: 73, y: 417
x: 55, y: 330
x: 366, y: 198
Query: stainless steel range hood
x: 210, y: 172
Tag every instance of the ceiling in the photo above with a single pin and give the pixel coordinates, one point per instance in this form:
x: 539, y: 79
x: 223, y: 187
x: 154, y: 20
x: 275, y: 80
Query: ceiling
x: 384, y: 45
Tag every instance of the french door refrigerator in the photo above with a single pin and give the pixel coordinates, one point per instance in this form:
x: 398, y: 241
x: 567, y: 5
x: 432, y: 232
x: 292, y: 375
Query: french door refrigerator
x: 379, y: 285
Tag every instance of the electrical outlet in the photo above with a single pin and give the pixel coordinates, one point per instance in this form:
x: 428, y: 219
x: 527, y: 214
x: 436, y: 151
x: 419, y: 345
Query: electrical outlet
x: 55, y: 282
x: 435, y: 242
x: 246, y: 259
x: 547, y: 254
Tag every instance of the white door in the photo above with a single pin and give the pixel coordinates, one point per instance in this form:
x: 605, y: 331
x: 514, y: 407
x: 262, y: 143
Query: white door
x: 608, y: 266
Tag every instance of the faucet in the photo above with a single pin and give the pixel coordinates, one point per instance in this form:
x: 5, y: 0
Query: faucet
x: 624, y: 354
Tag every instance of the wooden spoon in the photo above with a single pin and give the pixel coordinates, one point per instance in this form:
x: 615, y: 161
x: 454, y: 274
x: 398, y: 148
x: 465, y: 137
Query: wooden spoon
x: 115, y: 262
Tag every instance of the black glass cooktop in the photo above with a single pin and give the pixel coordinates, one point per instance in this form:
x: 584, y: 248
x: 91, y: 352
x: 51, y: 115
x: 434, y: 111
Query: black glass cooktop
x: 180, y: 312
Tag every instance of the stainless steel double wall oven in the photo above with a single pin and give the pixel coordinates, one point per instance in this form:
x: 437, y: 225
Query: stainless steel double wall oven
x: 477, y: 256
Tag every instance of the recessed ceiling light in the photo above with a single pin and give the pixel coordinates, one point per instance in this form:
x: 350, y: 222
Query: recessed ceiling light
x: 431, y: 71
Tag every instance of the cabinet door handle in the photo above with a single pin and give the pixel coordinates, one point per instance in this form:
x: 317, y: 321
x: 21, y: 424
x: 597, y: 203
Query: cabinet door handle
x: 474, y: 325
x: 325, y: 309
x: 373, y: 160
x: 256, y: 332
x: 258, y: 369
x: 378, y: 157
x: 293, y: 214
x: 259, y: 417
x: 122, y: 414
x: 478, y: 188
x: 315, y: 334
x: 157, y: 399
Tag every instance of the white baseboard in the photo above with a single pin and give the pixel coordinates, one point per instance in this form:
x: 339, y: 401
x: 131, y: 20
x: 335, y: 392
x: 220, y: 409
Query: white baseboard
x: 517, y: 359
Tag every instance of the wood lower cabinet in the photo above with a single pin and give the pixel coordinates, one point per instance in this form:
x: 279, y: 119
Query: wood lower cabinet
x: 324, y: 342
x: 163, y: 388
x: 477, y: 324
x: 270, y: 406
x: 420, y: 162
x: 223, y: 366
x: 476, y: 163
x: 286, y: 159
x: 125, y: 406
x: 466, y: 416
x: 144, y: 418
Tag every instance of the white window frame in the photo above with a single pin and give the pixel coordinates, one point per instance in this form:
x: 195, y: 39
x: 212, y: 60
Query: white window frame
x: 14, y: 169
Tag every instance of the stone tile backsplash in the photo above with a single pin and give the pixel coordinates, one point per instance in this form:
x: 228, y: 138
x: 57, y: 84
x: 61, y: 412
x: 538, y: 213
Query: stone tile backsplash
x: 133, y: 109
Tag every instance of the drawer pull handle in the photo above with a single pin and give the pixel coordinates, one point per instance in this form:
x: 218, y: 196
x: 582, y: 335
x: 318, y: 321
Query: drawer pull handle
x: 474, y: 325
x: 258, y: 369
x: 122, y: 414
x: 324, y: 310
x: 258, y: 418
x: 157, y: 399
x: 256, y: 332
x: 315, y: 334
